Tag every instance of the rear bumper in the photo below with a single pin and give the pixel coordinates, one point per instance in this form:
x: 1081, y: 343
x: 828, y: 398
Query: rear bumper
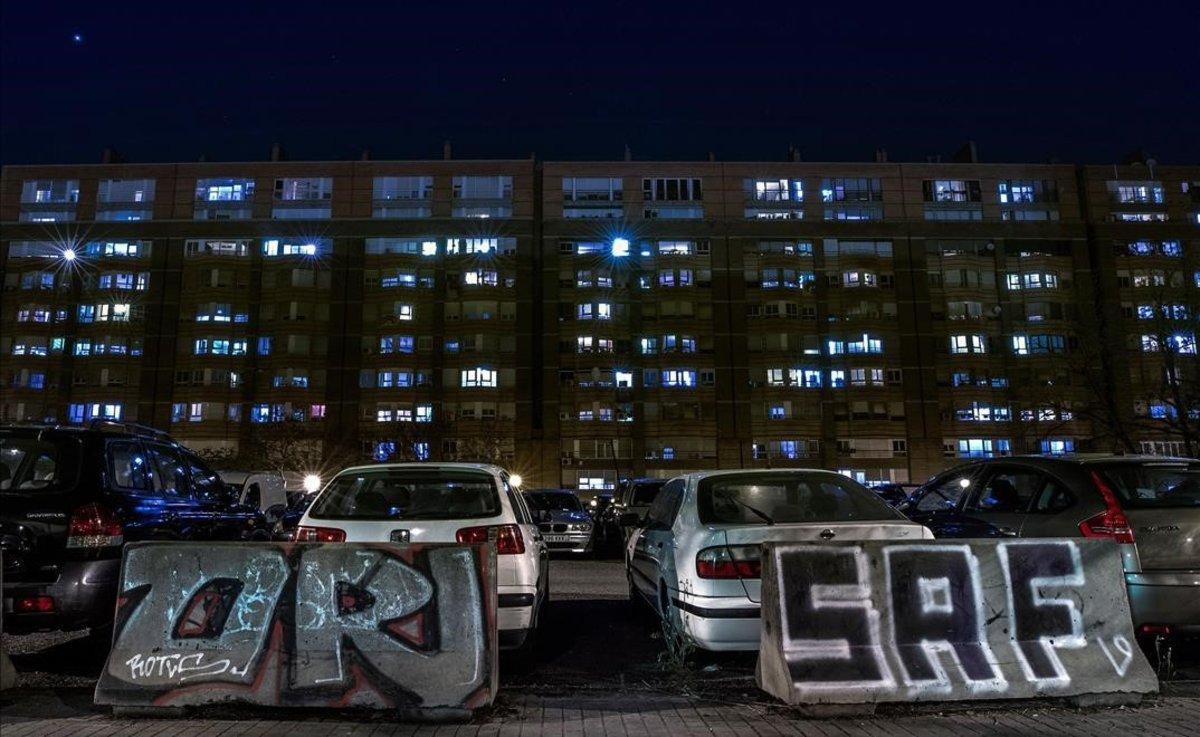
x: 1166, y: 598
x: 514, y: 614
x: 575, y: 542
x: 85, y: 595
x: 726, y: 623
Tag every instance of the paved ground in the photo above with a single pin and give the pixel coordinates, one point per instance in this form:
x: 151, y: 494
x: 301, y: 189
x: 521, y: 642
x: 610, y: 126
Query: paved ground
x: 600, y: 671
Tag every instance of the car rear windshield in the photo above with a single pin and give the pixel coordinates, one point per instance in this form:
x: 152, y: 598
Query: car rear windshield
x: 1154, y: 485
x: 644, y: 492
x: 402, y: 494
x: 37, y: 464
x: 555, y: 502
x: 762, y: 498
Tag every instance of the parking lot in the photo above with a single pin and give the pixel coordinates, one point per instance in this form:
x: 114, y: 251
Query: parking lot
x: 599, y: 669
x: 592, y: 642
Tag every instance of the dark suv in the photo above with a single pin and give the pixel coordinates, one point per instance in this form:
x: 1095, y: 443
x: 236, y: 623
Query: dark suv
x: 70, y: 498
x: 1149, y: 505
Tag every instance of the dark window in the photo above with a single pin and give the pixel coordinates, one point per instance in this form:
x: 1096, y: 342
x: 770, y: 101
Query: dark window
x: 554, y: 501
x: 757, y: 498
x: 253, y: 496
x: 1054, y: 497
x: 398, y: 494
x: 644, y: 493
x: 520, y: 509
x: 944, y: 493
x: 1006, y: 490
x: 206, y: 483
x: 1154, y: 485
x: 131, y: 466
x: 46, y: 464
x: 173, y: 478
x: 665, y: 506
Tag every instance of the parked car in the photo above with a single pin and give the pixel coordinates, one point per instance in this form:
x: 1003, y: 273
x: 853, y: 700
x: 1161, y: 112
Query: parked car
x: 71, y: 497
x: 565, y: 524
x: 598, y: 507
x: 284, y: 529
x: 1149, y: 505
x: 695, y: 559
x: 634, y: 496
x: 262, y: 490
x: 443, y: 503
x: 895, y: 494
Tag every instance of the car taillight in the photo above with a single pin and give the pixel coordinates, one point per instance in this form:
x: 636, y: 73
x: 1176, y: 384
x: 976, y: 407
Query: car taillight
x: 320, y: 535
x: 33, y: 605
x: 94, y: 526
x: 729, y: 561
x: 508, y: 538
x: 1112, y: 522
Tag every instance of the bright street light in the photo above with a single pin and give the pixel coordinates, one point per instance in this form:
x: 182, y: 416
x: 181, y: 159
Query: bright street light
x: 620, y: 247
x: 515, y: 480
x: 312, y: 483
x: 69, y: 254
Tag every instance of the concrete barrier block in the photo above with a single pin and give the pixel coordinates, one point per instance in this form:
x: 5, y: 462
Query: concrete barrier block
x: 410, y: 628
x: 867, y: 622
x: 8, y: 674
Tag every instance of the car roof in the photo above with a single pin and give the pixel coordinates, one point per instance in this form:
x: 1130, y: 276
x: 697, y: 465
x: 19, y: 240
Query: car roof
x: 488, y: 467
x: 697, y: 476
x: 1084, y: 459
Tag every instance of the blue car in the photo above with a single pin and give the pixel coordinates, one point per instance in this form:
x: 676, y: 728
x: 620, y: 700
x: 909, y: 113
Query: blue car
x: 562, y: 520
x: 71, y: 497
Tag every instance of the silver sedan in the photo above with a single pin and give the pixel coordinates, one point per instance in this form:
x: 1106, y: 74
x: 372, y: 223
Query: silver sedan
x: 695, y: 555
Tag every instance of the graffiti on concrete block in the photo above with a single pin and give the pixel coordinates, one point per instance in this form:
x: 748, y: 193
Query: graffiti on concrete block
x: 902, y: 621
x: 379, y: 626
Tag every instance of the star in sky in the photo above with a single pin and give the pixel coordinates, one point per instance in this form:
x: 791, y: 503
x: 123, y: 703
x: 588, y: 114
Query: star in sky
x: 77, y: 38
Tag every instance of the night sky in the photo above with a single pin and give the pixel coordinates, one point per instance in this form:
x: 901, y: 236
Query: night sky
x: 171, y: 81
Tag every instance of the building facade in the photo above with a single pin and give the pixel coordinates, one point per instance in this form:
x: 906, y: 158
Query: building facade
x: 583, y: 322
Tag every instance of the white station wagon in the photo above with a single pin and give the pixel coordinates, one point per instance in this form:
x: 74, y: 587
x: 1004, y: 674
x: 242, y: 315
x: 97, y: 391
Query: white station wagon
x: 442, y: 503
x: 695, y: 557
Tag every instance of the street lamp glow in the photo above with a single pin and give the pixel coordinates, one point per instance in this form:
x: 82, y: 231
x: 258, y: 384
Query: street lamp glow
x: 312, y: 483
x: 620, y: 247
x: 69, y: 254
x: 515, y: 480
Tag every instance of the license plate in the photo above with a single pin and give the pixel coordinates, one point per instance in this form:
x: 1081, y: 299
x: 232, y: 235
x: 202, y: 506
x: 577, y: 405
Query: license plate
x: 557, y: 538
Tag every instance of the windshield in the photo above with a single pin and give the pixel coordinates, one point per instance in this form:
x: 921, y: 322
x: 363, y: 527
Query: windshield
x: 644, y: 493
x: 409, y: 494
x: 555, y: 502
x: 760, y: 498
x: 1154, y: 485
x: 38, y: 464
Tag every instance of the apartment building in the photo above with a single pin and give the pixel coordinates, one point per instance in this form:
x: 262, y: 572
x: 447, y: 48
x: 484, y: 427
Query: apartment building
x: 588, y: 321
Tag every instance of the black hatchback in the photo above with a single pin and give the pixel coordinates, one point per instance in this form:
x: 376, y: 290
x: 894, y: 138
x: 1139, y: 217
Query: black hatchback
x: 70, y: 498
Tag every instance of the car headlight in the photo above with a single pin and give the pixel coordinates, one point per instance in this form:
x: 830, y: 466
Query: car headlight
x: 583, y: 528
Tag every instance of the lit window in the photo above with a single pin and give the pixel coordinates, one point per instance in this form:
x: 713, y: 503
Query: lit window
x: 968, y: 344
x: 478, y: 377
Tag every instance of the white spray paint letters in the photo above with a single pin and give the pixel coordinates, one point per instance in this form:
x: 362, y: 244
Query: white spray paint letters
x: 980, y: 619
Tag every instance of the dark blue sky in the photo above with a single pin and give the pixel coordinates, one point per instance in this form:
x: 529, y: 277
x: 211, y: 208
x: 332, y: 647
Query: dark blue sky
x: 173, y: 80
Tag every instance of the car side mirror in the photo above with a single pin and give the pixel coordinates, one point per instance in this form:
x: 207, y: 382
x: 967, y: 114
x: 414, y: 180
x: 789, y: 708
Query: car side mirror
x: 630, y: 519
